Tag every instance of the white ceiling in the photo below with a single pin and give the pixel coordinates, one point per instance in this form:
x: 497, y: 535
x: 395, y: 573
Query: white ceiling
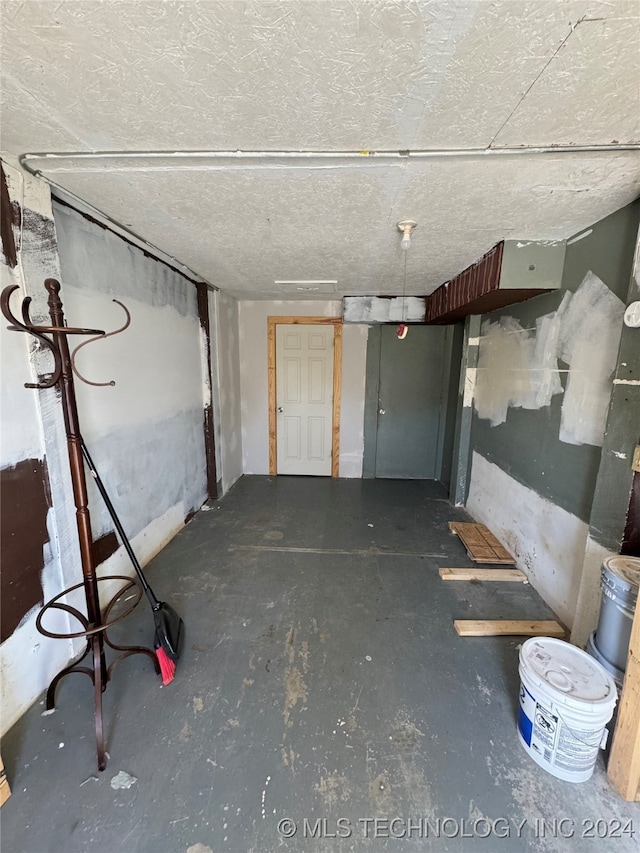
x: 330, y: 79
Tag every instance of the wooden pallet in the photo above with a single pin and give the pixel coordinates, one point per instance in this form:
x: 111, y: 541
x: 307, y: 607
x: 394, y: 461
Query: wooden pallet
x: 482, y: 546
x: 508, y: 627
x: 510, y: 575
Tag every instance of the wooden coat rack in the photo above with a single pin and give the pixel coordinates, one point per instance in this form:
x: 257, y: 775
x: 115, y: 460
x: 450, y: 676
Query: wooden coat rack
x: 97, y: 621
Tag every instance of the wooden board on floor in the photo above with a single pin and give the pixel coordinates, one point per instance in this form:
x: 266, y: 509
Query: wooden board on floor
x: 507, y: 627
x: 5, y: 790
x: 482, y: 546
x: 512, y: 575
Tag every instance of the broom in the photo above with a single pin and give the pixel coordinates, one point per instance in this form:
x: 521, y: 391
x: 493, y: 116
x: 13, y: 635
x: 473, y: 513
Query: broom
x: 169, y: 627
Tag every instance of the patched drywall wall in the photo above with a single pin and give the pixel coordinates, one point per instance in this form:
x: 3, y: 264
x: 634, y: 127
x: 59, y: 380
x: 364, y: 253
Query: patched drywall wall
x: 547, y: 542
x: 545, y: 368
x: 145, y: 433
x: 520, y: 368
x: 32, y: 450
x: 253, y: 374
x: 543, y: 428
x: 225, y: 354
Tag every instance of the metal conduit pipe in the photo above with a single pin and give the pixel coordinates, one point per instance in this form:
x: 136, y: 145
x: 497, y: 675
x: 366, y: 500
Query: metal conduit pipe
x: 150, y: 161
x: 144, y: 161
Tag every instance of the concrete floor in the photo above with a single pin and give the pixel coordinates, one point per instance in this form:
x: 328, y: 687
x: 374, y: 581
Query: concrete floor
x: 322, y: 683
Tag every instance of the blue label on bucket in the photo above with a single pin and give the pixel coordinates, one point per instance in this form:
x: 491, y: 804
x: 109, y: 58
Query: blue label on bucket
x: 525, y: 725
x: 537, y: 725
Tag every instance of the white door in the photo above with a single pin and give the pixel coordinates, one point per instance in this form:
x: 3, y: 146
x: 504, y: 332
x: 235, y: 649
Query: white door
x: 304, y: 398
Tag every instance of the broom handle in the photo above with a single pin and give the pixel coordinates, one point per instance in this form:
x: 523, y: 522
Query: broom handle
x: 116, y: 521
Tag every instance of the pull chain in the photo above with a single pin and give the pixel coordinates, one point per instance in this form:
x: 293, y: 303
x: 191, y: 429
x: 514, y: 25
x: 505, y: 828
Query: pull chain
x: 401, y: 331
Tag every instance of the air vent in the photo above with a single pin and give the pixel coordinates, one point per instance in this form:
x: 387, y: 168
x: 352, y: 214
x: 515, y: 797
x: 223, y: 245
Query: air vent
x: 307, y: 285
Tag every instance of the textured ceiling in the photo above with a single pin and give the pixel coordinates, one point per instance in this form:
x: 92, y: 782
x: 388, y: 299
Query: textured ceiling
x: 329, y: 77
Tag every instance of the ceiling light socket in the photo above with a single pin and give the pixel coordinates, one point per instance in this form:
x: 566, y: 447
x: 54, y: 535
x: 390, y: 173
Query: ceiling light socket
x: 406, y: 226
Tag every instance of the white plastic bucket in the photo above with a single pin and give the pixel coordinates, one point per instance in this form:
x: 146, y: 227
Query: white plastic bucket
x: 566, y: 701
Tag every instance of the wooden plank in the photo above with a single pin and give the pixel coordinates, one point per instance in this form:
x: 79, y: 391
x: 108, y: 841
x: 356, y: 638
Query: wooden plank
x: 337, y: 395
x: 482, y: 546
x: 271, y: 386
x: 624, y: 761
x: 507, y: 627
x: 472, y: 574
x: 5, y: 790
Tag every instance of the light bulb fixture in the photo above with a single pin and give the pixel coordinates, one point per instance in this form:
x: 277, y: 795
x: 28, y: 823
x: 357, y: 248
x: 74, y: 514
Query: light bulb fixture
x: 406, y: 226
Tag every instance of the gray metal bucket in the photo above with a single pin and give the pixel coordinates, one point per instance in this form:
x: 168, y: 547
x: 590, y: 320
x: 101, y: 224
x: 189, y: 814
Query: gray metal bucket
x: 614, y: 672
x: 619, y: 581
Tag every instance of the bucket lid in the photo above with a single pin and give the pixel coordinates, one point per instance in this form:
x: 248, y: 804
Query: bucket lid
x: 625, y: 569
x: 567, y: 672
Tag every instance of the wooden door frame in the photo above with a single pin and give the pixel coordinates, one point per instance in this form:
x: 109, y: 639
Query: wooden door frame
x: 336, y: 322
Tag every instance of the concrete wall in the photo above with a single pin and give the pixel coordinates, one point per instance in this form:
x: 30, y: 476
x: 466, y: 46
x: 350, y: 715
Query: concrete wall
x: 145, y: 433
x: 253, y: 374
x: 541, y: 392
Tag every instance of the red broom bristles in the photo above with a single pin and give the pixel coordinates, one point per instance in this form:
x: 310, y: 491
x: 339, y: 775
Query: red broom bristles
x: 167, y: 666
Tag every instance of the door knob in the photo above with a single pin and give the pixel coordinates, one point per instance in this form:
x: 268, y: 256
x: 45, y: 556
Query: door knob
x: 280, y: 409
x: 382, y: 411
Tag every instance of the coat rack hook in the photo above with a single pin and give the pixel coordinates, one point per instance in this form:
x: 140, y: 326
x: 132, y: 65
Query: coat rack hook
x: 127, y: 322
x: 27, y: 326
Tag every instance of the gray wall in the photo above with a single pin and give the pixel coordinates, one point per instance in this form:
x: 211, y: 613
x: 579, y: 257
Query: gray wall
x: 547, y: 446
x: 527, y: 445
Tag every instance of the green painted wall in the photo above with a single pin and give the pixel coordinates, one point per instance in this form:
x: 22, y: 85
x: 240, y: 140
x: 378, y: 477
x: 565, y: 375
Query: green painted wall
x: 527, y: 445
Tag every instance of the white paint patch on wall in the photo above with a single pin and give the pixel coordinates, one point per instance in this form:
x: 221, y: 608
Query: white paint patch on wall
x: 589, y: 600
x: 253, y: 374
x: 21, y: 434
x: 590, y: 329
x: 547, y: 542
x: 225, y: 350
x: 470, y: 381
x: 519, y: 367
x: 516, y: 367
x: 29, y: 661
